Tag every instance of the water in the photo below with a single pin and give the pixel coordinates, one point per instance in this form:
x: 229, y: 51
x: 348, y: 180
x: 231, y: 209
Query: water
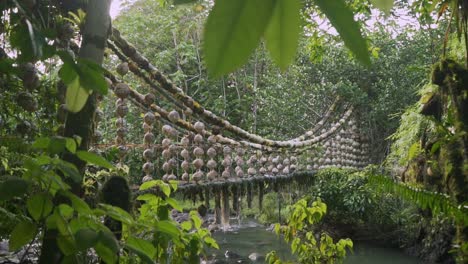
x: 251, y: 237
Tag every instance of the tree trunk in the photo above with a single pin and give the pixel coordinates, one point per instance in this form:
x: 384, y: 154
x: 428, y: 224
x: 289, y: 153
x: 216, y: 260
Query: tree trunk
x: 95, y: 35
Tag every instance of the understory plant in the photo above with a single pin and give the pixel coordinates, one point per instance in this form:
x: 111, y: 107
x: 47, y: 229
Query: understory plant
x: 40, y: 200
x: 309, y: 246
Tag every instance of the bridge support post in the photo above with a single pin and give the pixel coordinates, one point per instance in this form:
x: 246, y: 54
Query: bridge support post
x: 217, y: 208
x: 225, y: 210
x: 207, y: 198
x: 249, y: 195
x: 235, y: 199
x: 260, y: 196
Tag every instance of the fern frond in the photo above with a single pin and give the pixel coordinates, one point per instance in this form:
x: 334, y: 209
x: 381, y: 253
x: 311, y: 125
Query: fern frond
x: 436, y: 202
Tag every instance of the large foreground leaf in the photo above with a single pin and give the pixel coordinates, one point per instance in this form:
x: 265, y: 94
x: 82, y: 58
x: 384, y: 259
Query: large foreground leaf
x: 22, y: 234
x: 76, y: 96
x: 282, y: 34
x: 232, y: 31
x: 341, y: 17
x: 384, y: 5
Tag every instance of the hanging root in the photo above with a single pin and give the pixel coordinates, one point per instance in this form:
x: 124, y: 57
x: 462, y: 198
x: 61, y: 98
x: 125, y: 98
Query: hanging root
x: 249, y: 195
x: 260, y: 195
x: 207, y: 197
x: 235, y: 198
x: 217, y: 209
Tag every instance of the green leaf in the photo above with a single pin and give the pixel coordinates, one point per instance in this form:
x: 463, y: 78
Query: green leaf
x: 181, y: 2
x: 56, y: 145
x: 282, y: 33
x: 29, y: 41
x: 41, y: 143
x: 11, y: 187
x: 76, y: 96
x: 174, y: 203
x: 70, y: 144
x: 435, y: 147
x: 94, y: 159
x: 118, y: 214
x: 39, y: 205
x: 147, y: 197
x: 77, y: 203
x: 67, y: 245
x: 86, y: 238
x: 22, y: 234
x: 105, y: 253
x: 67, y: 72
x: 211, y: 242
x: 91, y: 76
x: 65, y: 210
x: 36, y: 40
x: 341, y: 17
x: 108, y: 240
x: 414, y: 150
x: 144, y: 249
x: 384, y: 5
x: 169, y: 228
x: 196, y: 219
x: 153, y: 183
x: 232, y: 31
x: 69, y: 170
x: 186, y: 225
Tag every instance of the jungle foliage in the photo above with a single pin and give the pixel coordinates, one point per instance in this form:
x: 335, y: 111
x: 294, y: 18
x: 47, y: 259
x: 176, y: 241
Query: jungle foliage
x: 42, y: 175
x: 310, y: 247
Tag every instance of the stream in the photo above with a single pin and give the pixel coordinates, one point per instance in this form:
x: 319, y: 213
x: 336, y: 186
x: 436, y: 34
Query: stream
x: 251, y: 240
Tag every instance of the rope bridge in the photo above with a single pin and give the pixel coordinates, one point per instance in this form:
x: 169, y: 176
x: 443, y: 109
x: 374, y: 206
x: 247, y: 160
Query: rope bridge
x: 200, y: 149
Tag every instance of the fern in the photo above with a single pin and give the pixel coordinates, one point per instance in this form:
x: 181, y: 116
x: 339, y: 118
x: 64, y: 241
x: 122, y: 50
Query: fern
x: 411, y: 127
x: 436, y: 202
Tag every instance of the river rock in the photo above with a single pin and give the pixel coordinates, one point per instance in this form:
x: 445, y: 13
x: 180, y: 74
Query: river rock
x: 271, y: 228
x: 256, y: 257
x: 213, y: 228
x: 231, y: 255
x: 4, y: 246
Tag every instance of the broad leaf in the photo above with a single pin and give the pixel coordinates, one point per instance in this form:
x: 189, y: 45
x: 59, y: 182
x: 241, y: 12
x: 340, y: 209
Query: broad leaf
x: 186, y: 225
x: 69, y: 170
x: 144, y: 249
x: 67, y: 245
x: 118, y: 214
x: 91, y: 76
x: 165, y: 188
x: 384, y: 5
x: 66, y: 211
x: 181, y: 2
x: 174, y: 203
x: 39, y: 206
x: 105, y: 253
x: 77, y: 203
x: 12, y: 187
x: 108, y: 240
x: 86, y: 238
x: 22, y: 234
x: 169, y: 228
x: 282, y: 33
x: 211, y: 242
x: 341, y: 17
x: 232, y: 31
x: 41, y: 143
x: 76, y: 96
x: 70, y: 144
x: 94, y: 159
x: 67, y: 72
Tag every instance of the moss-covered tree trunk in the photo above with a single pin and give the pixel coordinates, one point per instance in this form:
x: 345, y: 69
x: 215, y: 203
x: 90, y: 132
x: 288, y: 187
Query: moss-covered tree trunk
x: 80, y: 124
